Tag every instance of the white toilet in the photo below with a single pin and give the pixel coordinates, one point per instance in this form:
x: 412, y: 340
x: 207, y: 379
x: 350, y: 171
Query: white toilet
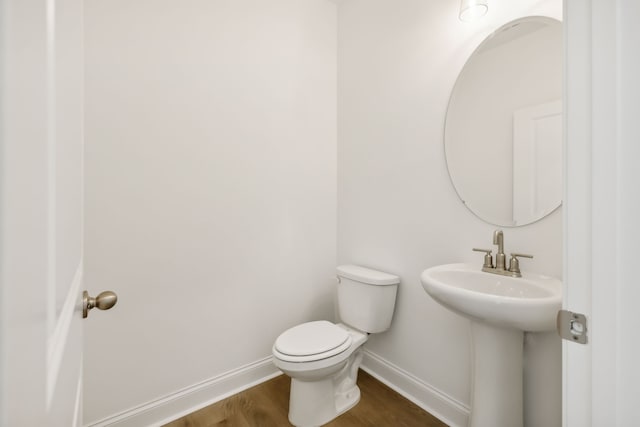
x: 322, y: 358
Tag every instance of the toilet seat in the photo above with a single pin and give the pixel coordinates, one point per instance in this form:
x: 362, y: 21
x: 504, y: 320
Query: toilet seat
x: 312, y: 341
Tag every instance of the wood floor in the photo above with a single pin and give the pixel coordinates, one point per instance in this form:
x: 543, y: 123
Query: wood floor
x: 267, y: 405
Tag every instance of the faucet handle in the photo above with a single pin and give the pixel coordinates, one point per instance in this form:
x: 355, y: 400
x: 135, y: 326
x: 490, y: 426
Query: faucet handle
x: 514, y: 263
x: 515, y: 255
x: 488, y: 259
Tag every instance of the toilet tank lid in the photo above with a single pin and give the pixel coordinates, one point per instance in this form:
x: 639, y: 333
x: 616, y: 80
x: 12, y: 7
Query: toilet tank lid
x: 367, y: 275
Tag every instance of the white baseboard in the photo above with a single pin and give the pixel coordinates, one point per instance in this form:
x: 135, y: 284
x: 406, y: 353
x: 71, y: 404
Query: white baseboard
x: 192, y: 398
x: 447, y: 409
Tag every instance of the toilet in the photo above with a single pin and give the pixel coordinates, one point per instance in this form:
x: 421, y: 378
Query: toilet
x: 323, y: 358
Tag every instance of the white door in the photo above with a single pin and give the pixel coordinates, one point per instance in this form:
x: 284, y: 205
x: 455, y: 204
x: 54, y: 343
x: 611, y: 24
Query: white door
x: 602, y: 211
x: 41, y: 212
x: 537, y: 161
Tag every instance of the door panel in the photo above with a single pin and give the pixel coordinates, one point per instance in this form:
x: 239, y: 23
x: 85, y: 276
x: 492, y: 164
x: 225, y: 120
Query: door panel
x: 41, y: 212
x: 602, y: 211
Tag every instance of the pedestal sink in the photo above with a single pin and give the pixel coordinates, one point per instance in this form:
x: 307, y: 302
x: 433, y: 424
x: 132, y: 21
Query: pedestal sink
x: 501, y: 309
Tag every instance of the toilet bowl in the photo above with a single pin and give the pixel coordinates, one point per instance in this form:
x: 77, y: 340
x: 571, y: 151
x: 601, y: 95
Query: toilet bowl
x: 323, y: 358
x: 323, y: 383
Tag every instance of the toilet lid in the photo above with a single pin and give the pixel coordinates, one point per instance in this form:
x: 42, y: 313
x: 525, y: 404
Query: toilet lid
x: 312, y: 338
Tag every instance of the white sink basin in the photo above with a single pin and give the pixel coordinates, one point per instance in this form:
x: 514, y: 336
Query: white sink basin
x: 501, y: 309
x: 527, y: 303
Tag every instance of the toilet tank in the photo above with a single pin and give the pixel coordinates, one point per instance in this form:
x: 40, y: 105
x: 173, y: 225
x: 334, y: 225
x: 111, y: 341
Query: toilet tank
x: 366, y: 298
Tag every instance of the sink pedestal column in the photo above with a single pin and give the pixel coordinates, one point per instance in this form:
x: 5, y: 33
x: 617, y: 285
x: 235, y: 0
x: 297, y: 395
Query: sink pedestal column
x: 496, y: 390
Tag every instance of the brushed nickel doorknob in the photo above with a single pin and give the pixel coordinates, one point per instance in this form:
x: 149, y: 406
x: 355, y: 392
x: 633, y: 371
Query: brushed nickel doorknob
x: 104, y: 301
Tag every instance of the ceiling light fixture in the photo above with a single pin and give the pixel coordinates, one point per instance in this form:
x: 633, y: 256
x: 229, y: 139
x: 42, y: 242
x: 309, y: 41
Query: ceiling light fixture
x: 470, y: 10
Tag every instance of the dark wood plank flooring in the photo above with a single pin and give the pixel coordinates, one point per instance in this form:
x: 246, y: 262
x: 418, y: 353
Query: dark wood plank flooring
x: 267, y: 405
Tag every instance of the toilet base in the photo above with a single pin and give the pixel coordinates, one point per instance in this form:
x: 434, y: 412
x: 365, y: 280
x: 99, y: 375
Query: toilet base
x: 347, y: 400
x: 314, y: 403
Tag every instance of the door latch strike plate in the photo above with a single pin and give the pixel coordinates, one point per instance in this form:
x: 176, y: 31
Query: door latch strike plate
x: 572, y: 326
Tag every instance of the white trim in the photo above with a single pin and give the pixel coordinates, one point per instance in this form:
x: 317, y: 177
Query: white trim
x: 77, y: 410
x: 189, y: 399
x: 58, y: 339
x: 198, y: 396
x: 429, y: 398
x: 51, y: 165
x: 577, y: 211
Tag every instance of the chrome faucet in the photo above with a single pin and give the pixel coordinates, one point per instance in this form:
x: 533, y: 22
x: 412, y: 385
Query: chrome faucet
x: 514, y: 264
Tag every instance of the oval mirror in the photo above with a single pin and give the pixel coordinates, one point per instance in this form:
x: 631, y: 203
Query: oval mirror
x: 503, y: 130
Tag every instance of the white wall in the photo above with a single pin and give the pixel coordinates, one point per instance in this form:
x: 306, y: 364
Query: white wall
x: 397, y: 210
x: 211, y: 183
x: 210, y: 187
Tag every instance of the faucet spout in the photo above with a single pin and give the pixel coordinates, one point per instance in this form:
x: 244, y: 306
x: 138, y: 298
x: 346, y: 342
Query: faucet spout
x: 498, y: 239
